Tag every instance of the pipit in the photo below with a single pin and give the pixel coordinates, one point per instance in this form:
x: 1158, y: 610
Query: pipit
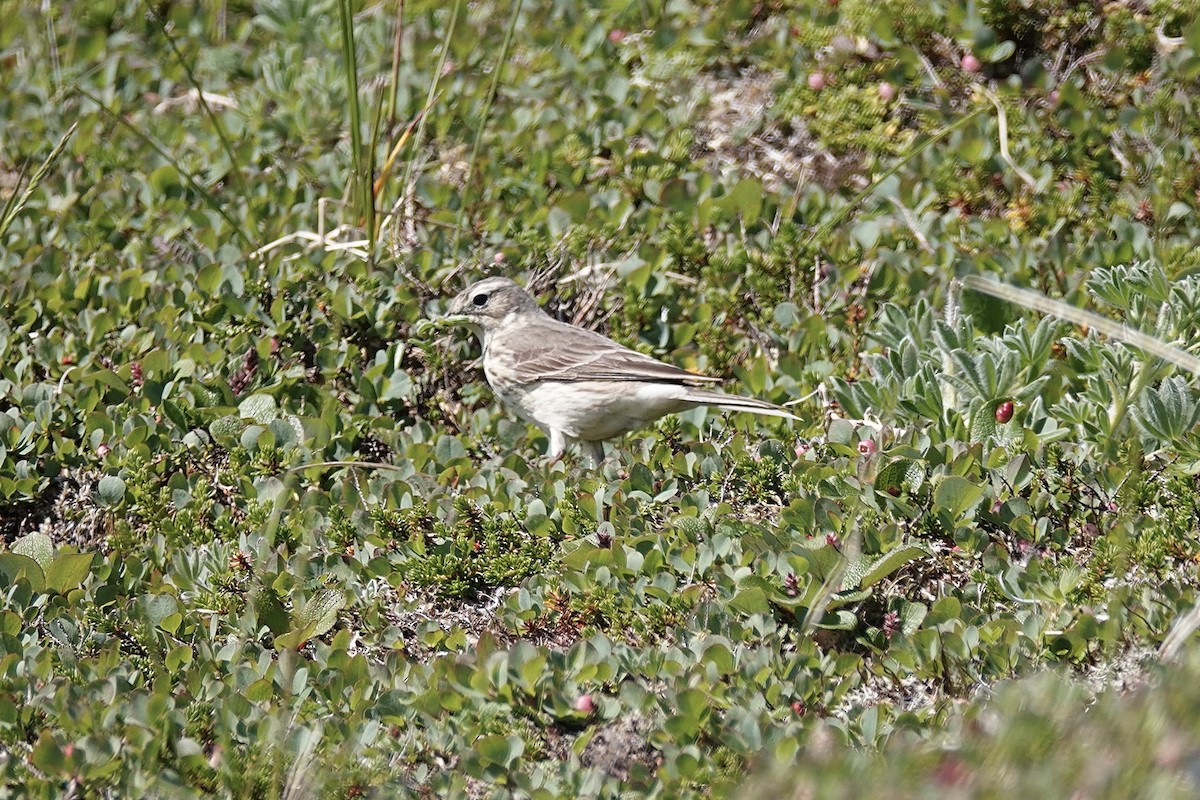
x: 574, y: 384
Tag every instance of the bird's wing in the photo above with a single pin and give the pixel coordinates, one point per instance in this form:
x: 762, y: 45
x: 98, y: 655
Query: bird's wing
x: 555, y: 351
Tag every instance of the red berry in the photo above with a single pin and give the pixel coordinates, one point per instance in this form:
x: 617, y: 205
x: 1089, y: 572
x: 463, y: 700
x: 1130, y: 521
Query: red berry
x: 816, y: 81
x: 970, y: 63
x: 1004, y: 412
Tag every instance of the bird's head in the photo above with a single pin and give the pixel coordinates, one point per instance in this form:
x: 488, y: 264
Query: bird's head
x: 486, y: 305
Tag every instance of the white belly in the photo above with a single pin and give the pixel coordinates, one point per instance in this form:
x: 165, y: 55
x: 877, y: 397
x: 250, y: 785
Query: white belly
x: 595, y: 410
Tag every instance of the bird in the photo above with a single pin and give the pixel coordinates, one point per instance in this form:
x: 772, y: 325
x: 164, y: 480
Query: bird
x: 577, y: 385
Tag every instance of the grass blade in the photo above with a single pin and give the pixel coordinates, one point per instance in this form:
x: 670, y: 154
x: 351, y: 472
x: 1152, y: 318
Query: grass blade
x: 1081, y: 316
x: 360, y: 186
x: 483, y: 119
x: 212, y: 117
x: 395, y: 83
x: 419, y: 139
x: 13, y: 208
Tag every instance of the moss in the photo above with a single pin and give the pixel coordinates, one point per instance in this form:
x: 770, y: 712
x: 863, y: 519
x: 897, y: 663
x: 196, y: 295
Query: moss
x: 475, y: 554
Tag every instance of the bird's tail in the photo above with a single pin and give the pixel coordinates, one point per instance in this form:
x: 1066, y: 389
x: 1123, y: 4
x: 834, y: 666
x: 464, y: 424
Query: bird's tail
x: 736, y: 402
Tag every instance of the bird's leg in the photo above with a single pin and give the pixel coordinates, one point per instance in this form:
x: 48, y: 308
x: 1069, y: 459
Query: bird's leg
x: 558, y: 445
x: 594, y: 451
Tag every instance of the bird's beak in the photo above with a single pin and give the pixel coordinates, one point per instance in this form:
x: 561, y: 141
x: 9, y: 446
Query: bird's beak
x: 454, y: 316
x: 456, y: 312
x: 457, y: 307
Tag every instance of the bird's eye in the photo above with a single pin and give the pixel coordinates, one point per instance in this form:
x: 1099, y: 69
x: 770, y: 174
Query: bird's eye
x: 480, y: 299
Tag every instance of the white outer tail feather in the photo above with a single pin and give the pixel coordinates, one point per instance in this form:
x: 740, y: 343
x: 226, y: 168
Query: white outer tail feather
x: 732, y: 402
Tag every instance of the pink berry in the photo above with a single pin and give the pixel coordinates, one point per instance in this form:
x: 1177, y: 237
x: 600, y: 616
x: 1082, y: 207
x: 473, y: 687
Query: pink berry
x: 498, y: 258
x: 103, y: 449
x: 584, y: 704
x: 616, y: 36
x: 816, y: 81
x: 887, y: 91
x: 867, y: 447
x: 970, y: 63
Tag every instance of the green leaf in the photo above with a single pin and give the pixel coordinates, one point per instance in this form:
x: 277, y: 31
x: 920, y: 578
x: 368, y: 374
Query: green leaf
x: 173, y: 412
x: 165, y: 179
x: 745, y: 198
x: 499, y: 750
x: 1000, y: 52
x: 294, y: 638
x: 751, y: 601
x: 180, y: 656
x: 957, y: 495
x: 14, y: 566
x: 693, y: 703
x: 68, y: 571
x: 225, y: 430
x: 885, y: 565
x: 47, y: 755
x: 260, y: 408
x: 321, y: 612
x: 158, y: 607
x: 111, y: 489
x: 269, y: 609
x: 911, y: 616
x: 720, y: 657
x: 260, y: 691
x: 867, y: 232
x: 840, y: 620
x: 250, y: 437
x: 37, y: 546
x: 576, y: 205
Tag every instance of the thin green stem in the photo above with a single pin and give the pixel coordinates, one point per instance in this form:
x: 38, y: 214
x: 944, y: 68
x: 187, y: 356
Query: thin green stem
x: 191, y: 76
x: 483, y: 119
x: 419, y: 138
x: 361, y: 171
x: 395, y: 84
x: 162, y: 151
